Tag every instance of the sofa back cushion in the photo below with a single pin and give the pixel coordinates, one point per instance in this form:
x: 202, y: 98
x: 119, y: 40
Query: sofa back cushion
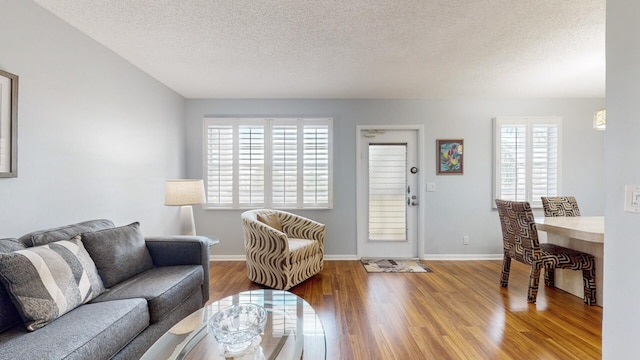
x: 119, y: 253
x: 43, y: 237
x: 9, y: 315
x: 45, y: 282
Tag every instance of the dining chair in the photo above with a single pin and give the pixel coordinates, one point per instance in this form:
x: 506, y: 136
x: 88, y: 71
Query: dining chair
x: 520, y: 242
x: 560, y: 206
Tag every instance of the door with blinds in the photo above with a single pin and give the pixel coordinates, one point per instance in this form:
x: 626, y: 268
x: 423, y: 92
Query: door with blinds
x: 389, y: 163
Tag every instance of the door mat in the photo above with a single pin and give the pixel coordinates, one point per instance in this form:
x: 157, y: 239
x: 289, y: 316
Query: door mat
x: 394, y: 265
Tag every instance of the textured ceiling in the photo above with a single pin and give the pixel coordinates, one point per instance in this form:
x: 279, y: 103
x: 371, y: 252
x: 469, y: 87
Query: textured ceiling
x: 354, y: 48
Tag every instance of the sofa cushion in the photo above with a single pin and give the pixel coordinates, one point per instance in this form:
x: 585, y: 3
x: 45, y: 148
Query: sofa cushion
x: 43, y: 237
x: 91, y: 331
x: 164, y: 288
x: 48, y: 281
x: 9, y: 315
x: 270, y: 218
x: 119, y: 253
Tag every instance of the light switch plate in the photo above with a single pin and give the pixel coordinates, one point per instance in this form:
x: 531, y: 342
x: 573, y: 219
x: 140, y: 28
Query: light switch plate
x: 431, y: 186
x: 632, y: 198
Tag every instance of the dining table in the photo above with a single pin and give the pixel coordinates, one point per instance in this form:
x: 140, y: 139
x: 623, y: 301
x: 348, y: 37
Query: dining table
x: 582, y: 233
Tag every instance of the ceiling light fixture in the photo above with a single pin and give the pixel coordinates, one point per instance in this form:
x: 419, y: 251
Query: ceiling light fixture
x: 600, y: 119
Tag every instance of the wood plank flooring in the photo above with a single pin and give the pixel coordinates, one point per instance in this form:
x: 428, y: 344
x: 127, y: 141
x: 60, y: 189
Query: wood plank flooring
x: 458, y: 311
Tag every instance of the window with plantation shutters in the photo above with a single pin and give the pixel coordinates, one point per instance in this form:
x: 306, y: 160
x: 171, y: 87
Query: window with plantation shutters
x: 276, y: 163
x: 527, y: 158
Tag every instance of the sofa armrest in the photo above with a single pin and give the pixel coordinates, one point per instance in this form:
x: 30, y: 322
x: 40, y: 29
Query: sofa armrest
x: 181, y: 250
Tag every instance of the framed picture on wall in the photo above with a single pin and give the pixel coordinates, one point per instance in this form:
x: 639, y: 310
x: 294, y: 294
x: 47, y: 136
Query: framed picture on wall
x: 449, y: 156
x: 8, y: 125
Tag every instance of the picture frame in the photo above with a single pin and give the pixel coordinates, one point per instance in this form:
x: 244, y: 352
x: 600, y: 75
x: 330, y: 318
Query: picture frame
x: 449, y: 156
x: 8, y: 125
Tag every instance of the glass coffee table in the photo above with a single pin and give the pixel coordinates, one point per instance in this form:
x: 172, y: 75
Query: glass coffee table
x: 293, y: 330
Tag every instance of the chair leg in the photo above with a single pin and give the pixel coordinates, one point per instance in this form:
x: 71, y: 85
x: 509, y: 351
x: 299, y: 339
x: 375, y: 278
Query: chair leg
x: 589, y: 282
x: 534, y: 282
x: 506, y: 267
x: 550, y: 277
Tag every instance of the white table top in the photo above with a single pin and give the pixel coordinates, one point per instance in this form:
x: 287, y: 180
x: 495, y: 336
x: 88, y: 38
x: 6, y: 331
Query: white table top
x: 587, y: 228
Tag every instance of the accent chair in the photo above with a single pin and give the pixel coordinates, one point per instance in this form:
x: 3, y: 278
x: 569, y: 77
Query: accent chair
x: 282, y: 249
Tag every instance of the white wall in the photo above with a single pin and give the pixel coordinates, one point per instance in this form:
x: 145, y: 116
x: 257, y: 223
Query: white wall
x: 621, y: 320
x: 97, y: 137
x: 462, y: 205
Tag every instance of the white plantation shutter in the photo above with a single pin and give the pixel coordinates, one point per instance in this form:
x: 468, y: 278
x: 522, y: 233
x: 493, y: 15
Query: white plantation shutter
x: 544, y: 162
x: 251, y: 165
x: 316, y: 164
x: 219, y: 164
x: 284, y: 165
x: 280, y: 163
x: 527, y: 158
x: 513, y: 151
x: 387, y: 192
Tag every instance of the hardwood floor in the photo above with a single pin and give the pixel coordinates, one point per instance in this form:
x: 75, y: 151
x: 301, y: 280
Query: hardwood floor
x: 458, y: 311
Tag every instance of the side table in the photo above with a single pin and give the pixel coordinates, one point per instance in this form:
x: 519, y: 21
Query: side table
x: 213, y: 241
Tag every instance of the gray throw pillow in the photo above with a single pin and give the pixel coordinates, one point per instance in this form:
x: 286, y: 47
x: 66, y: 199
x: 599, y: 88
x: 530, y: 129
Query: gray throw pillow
x: 9, y: 315
x: 45, y: 282
x: 119, y: 253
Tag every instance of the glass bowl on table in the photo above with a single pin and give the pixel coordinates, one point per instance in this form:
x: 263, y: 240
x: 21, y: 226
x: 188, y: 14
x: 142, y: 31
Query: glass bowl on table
x: 237, y: 329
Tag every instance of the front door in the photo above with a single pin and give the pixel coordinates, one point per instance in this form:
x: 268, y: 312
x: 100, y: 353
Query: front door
x: 388, y: 193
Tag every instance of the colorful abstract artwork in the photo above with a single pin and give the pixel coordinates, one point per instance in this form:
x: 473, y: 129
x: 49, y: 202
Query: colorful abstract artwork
x: 450, y: 159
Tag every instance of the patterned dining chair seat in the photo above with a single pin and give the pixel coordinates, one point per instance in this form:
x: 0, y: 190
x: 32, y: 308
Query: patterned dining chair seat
x: 520, y: 242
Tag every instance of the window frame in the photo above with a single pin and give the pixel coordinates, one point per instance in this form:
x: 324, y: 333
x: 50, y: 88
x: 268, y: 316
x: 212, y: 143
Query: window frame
x: 268, y: 124
x: 528, y: 122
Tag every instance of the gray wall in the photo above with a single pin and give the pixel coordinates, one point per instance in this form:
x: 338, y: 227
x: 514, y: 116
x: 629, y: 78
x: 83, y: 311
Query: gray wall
x: 460, y: 206
x: 621, y: 320
x: 97, y: 137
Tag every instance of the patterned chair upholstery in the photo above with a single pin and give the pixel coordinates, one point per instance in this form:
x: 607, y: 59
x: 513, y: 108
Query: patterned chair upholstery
x: 282, y: 249
x: 520, y: 241
x: 560, y: 206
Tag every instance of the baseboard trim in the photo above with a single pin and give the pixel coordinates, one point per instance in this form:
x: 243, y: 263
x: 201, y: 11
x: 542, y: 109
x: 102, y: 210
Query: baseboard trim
x: 431, y: 257
x: 463, y: 257
x: 227, y: 258
x: 341, y: 257
x: 244, y: 258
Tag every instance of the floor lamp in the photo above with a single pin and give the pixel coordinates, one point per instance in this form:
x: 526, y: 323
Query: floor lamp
x: 184, y: 193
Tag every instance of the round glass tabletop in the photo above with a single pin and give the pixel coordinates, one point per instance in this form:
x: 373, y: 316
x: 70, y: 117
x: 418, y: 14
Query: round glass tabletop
x: 293, y: 330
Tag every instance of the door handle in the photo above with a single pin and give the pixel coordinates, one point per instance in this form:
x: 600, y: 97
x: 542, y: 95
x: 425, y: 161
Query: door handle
x: 412, y: 201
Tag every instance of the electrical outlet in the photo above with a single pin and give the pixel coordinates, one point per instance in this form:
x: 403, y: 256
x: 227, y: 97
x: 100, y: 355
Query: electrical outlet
x: 465, y: 240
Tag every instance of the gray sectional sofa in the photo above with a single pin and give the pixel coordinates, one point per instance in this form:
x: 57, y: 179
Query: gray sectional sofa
x: 142, y: 288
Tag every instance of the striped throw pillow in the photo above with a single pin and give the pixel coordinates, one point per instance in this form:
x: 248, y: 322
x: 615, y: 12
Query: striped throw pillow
x: 45, y: 282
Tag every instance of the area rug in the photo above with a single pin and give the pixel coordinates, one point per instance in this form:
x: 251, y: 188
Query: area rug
x: 394, y: 265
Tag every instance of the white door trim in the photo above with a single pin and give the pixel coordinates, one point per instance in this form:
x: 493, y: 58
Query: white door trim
x: 362, y: 196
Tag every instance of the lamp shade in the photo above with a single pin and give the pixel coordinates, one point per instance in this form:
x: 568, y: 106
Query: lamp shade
x: 184, y: 192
